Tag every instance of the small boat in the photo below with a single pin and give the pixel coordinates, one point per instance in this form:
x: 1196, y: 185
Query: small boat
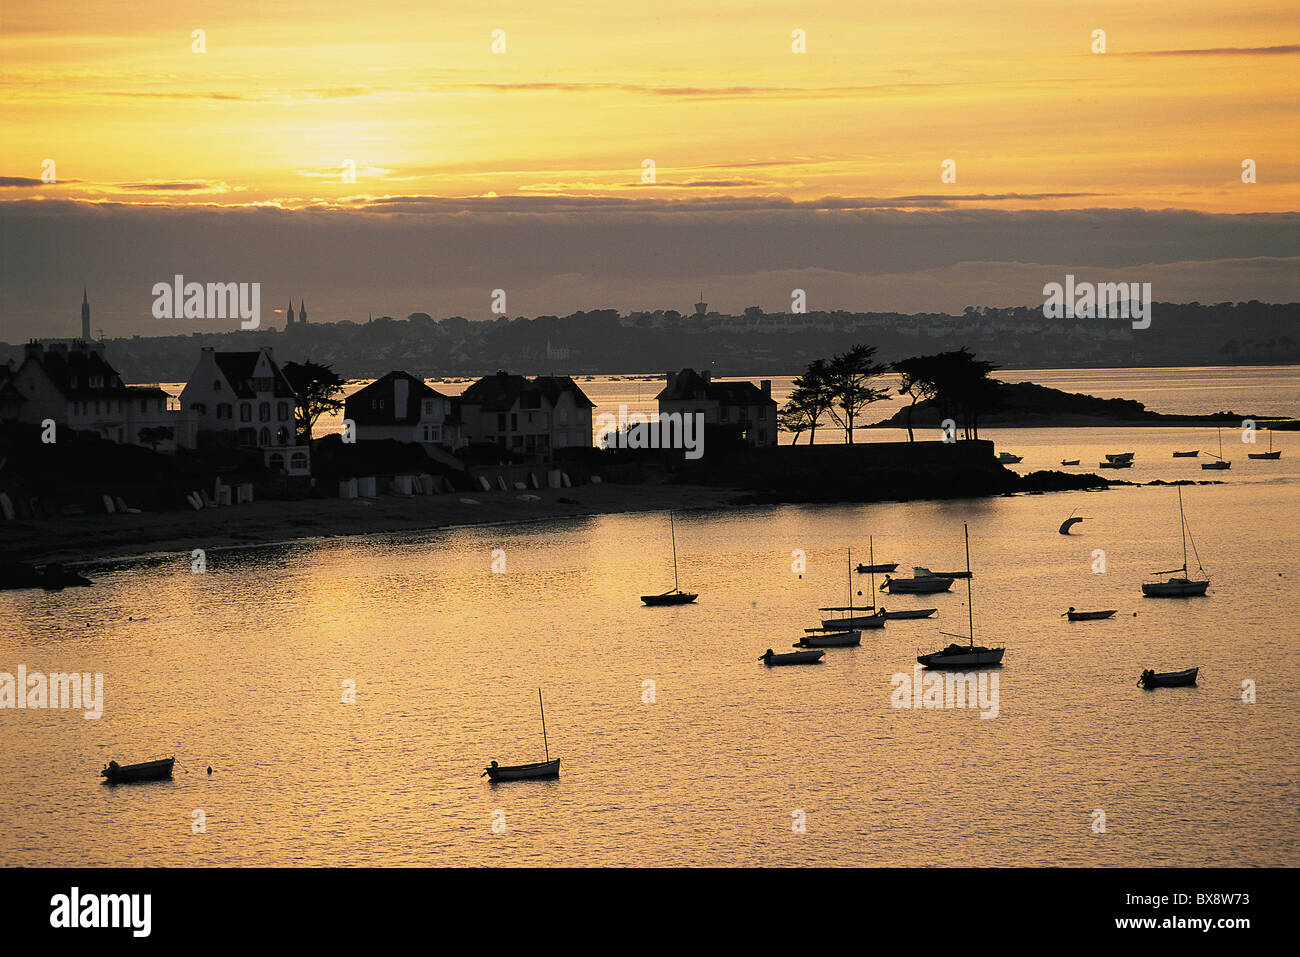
x: 830, y: 639
x: 1167, y: 679
x: 1123, y: 464
x: 1270, y: 454
x: 521, y: 772
x: 1120, y: 457
x: 674, y: 596
x: 922, y: 582
x: 909, y: 613
x: 1087, y: 615
x: 1180, y: 586
x: 1069, y: 461
x: 851, y: 621
x: 968, y: 655
x: 1069, y: 523
x: 1187, y: 455
x: 791, y: 658
x: 952, y: 574
x: 147, y: 771
x: 1220, y: 462
x: 1006, y: 458
x: 882, y: 567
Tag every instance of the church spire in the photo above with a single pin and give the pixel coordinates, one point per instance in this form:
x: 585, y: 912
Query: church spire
x: 302, y: 311
x: 289, y: 313
x: 85, y: 315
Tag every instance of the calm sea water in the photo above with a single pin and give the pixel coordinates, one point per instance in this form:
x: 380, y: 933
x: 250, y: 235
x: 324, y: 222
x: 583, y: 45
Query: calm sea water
x: 713, y: 760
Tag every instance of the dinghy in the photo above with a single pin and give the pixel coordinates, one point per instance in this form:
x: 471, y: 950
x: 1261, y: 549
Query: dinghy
x: 791, y: 658
x: 969, y: 655
x: 1187, y: 455
x: 1069, y: 461
x: 1120, y: 457
x: 521, y: 772
x: 882, y: 567
x: 909, y: 613
x: 1167, y: 679
x: 1125, y: 464
x: 829, y: 639
x: 1179, y: 586
x: 147, y: 771
x: 674, y: 596
x: 922, y: 582
x: 1088, y: 615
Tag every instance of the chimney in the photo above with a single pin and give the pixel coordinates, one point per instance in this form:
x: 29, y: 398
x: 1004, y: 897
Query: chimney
x: 766, y: 386
x: 401, y: 391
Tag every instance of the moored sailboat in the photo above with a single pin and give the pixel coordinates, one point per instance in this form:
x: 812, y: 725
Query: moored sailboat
x: 1270, y: 454
x: 922, y: 582
x: 1220, y: 462
x: 1179, y: 586
x: 969, y: 655
x: 852, y: 620
x: 520, y: 772
x: 675, y: 596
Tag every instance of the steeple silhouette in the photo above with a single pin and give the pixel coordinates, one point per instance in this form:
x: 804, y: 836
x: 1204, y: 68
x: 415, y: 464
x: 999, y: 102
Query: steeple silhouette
x: 302, y: 312
x: 289, y: 312
x: 85, y: 315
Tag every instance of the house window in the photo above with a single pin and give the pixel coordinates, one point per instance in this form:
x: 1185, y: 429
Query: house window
x: 199, y: 407
x: 282, y: 436
x: 225, y: 410
x: 264, y: 412
x: 97, y: 382
x: 501, y: 421
x: 264, y: 437
x: 276, y: 462
x: 245, y: 412
x: 428, y: 407
x: 298, y: 461
x: 282, y: 411
x: 376, y: 403
x: 564, y: 417
x: 514, y: 422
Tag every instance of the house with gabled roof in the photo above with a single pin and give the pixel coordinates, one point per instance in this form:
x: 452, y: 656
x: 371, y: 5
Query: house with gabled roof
x: 244, y: 399
x: 748, y: 409
x: 402, y: 407
x: 527, y: 416
x: 72, y: 383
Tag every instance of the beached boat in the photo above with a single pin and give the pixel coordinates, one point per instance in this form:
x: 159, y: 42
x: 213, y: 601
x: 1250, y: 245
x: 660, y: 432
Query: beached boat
x: 772, y: 659
x: 1069, y: 461
x: 1179, y: 586
x: 851, y: 620
x: 829, y: 639
x: 146, y: 771
x: 922, y: 582
x: 550, y: 768
x: 1187, y: 455
x: 1006, y: 458
x: 1088, y: 615
x: 1270, y: 454
x: 969, y: 655
x: 675, y: 596
x: 1167, y: 679
x: 1219, y: 462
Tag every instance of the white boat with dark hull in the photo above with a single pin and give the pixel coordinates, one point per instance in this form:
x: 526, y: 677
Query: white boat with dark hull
x: 968, y: 655
x: 772, y: 660
x: 1168, y: 679
x: 922, y: 582
x: 1180, y: 585
x: 550, y: 768
x: 1088, y: 615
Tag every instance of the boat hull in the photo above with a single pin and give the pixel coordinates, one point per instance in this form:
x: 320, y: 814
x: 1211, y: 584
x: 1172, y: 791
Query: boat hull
x: 877, y: 569
x: 909, y: 613
x: 1264, y: 455
x: 1216, y: 466
x: 524, y: 772
x: 1174, y: 588
x: 836, y: 639
x: 670, y: 598
x: 1114, y: 465
x: 965, y: 657
x: 1169, y: 679
x: 793, y: 658
x: 129, y: 773
x: 1187, y: 455
x: 1069, y: 461
x: 857, y: 621
x: 1089, y: 615
x: 917, y: 586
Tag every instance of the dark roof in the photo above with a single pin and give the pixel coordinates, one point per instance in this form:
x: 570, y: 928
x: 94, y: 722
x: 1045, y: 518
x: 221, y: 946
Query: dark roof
x: 238, y: 368
x: 500, y: 392
x: 66, y: 366
x: 691, y: 385
x: 358, y: 408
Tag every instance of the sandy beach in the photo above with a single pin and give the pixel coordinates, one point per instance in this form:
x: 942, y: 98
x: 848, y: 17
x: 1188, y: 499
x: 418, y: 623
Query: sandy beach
x: 79, y: 539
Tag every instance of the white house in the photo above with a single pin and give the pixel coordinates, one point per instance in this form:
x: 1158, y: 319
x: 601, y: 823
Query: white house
x: 527, y: 416
x: 400, y: 406
x: 73, y: 384
x: 243, y: 398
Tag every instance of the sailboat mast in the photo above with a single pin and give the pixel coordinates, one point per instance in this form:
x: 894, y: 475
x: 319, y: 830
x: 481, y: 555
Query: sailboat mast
x: 872, y: 559
x: 1182, y: 526
x: 970, y: 608
x: 850, y: 583
x: 543, y: 710
x: 673, y: 530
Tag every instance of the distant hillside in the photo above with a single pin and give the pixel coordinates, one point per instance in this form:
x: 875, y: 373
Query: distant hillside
x: 1026, y: 405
